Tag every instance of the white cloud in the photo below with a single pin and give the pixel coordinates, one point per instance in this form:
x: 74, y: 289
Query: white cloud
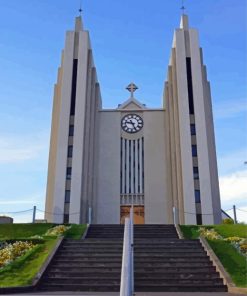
x: 233, y: 191
x: 15, y: 149
x: 230, y: 109
x: 232, y: 162
x: 234, y: 186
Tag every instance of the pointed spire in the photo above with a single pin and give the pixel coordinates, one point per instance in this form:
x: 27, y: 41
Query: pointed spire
x: 184, y: 22
x: 78, y: 24
x: 78, y: 20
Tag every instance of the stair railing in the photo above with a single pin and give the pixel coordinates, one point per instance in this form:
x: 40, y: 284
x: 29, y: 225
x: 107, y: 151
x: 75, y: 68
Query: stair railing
x: 127, y: 273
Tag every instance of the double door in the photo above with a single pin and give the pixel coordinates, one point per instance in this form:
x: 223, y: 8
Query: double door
x: 138, y: 214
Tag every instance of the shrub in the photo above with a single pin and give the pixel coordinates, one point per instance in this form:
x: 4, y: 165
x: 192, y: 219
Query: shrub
x: 209, y: 233
x: 57, y: 230
x: 11, y: 251
x: 227, y: 221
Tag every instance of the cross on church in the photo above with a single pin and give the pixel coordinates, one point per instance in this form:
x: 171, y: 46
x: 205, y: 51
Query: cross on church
x: 183, y: 7
x: 132, y: 88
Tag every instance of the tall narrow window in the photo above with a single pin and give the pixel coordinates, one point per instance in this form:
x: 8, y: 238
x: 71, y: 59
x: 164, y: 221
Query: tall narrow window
x: 192, y: 129
x: 71, y: 130
x: 194, y: 150
x: 199, y: 219
x: 73, y: 87
x: 68, y: 173
x: 70, y: 151
x: 190, y: 87
x: 67, y: 196
x: 66, y: 218
x: 196, y: 173
x: 197, y: 196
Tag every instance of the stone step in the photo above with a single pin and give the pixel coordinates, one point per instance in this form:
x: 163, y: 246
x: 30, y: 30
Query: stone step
x: 85, y: 264
x: 89, y: 269
x: 87, y: 259
x: 173, y: 254
x: 157, y: 281
x: 103, y: 287
x: 173, y: 269
x: 180, y: 264
x: 180, y: 288
x: 82, y: 274
x: 161, y: 276
x: 171, y: 260
x: 80, y: 280
x: 89, y: 255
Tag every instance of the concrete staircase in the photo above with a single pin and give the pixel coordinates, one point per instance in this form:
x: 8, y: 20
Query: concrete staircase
x: 162, y: 262
x: 93, y: 264
x: 165, y: 263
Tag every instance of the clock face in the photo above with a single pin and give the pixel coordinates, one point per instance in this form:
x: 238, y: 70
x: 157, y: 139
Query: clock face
x: 132, y: 123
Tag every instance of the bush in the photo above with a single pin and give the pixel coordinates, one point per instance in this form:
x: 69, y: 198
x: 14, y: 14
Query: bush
x: 227, y: 221
x: 12, y: 251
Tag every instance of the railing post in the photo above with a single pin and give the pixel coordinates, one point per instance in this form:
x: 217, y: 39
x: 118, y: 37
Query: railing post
x: 34, y: 214
x: 175, y: 216
x: 89, y: 215
x: 132, y: 248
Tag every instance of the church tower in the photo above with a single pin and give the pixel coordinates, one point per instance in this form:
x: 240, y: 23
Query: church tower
x: 71, y: 183
x: 191, y: 157
x: 160, y: 161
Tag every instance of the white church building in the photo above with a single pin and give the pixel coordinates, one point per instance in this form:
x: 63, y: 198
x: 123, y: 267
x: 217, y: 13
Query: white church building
x: 159, y: 160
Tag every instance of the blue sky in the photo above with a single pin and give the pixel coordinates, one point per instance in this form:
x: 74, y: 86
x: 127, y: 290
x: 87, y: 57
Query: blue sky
x: 131, y: 41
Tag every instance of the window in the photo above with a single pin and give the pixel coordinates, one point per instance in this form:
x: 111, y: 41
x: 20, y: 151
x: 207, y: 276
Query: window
x: 199, y: 219
x: 71, y: 130
x: 192, y: 129
x: 66, y: 218
x: 67, y: 196
x: 197, y: 196
x: 194, y: 150
x: 70, y: 151
x: 196, y: 173
x: 68, y: 173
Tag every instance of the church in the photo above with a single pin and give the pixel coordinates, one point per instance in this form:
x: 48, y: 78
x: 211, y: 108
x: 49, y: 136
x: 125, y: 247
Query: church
x: 162, y: 161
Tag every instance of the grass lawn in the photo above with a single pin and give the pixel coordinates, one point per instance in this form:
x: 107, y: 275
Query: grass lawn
x: 225, y: 230
x: 14, y: 231
x: 22, y: 271
x: 76, y: 231
x: 234, y: 263
x: 232, y: 260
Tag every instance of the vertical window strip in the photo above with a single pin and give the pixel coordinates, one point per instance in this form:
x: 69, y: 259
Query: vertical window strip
x: 142, y: 165
x: 121, y: 165
x: 129, y: 166
x: 73, y: 87
x: 125, y: 165
x: 138, y: 165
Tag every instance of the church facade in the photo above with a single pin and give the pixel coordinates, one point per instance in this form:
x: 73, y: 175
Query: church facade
x: 161, y: 161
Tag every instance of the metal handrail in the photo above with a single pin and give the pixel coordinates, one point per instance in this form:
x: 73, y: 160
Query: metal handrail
x: 127, y: 273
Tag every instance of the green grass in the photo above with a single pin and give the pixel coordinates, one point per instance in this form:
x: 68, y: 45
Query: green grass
x: 22, y: 271
x: 233, y: 262
x: 15, y: 231
x: 232, y: 230
x: 76, y: 231
x: 225, y: 230
x: 190, y: 231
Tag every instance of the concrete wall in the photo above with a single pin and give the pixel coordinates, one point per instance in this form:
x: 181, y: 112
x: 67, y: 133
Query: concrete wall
x: 158, y: 205
x: 108, y: 177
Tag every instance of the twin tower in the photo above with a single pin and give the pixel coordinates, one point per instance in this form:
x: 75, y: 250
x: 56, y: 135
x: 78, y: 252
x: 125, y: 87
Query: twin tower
x: 161, y: 161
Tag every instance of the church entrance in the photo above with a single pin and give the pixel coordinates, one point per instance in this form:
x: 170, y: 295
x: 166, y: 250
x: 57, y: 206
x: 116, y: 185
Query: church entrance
x: 138, y: 214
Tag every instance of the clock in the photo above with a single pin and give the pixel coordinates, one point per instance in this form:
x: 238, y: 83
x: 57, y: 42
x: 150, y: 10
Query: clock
x: 132, y: 123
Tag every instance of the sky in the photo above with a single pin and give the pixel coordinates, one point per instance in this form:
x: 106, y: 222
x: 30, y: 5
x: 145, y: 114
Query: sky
x: 131, y: 41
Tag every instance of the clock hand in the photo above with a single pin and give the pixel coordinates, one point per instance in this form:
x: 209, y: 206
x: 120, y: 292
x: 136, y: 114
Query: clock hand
x: 130, y: 122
